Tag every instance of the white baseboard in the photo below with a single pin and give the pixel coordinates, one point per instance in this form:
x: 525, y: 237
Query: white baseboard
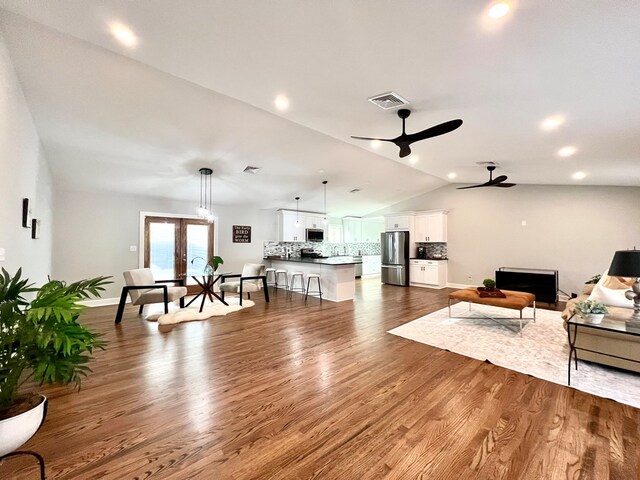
x: 458, y: 285
x: 101, y: 302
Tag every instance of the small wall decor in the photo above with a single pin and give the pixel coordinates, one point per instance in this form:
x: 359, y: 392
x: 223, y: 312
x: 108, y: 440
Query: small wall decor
x: 241, y: 234
x: 35, y: 228
x: 26, y: 213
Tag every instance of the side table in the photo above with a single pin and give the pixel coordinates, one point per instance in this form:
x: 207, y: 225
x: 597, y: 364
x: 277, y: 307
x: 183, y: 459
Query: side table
x: 609, y: 323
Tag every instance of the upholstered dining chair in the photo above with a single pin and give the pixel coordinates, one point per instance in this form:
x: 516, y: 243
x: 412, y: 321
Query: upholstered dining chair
x: 252, y: 279
x: 143, y: 289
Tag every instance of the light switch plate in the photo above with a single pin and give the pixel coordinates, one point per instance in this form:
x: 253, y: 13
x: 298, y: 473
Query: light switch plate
x: 133, y: 248
x: 2, y: 259
x: 524, y: 223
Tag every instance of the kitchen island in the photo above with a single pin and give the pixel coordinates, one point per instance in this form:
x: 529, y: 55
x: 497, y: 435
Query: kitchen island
x: 337, y: 274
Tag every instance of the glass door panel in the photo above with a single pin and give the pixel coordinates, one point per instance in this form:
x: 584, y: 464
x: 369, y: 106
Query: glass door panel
x: 162, y: 250
x: 197, y: 249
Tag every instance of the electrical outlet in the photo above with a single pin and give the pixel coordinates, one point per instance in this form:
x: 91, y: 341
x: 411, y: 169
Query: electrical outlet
x: 133, y: 248
x: 469, y: 278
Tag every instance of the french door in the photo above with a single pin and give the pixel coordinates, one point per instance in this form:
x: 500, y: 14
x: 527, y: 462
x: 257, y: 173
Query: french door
x: 177, y: 247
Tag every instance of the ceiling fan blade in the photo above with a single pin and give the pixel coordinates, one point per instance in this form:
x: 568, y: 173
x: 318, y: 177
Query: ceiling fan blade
x: 369, y: 138
x: 499, y: 179
x: 505, y: 185
x: 405, y: 150
x: 473, y: 186
x: 441, y: 129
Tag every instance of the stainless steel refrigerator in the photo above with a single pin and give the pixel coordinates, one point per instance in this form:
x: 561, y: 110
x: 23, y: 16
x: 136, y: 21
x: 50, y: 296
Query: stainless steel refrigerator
x: 395, y: 258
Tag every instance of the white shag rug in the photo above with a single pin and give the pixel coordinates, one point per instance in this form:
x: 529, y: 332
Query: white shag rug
x: 178, y: 315
x: 541, y: 351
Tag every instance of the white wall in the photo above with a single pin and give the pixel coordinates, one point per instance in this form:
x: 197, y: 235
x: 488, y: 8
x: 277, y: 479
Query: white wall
x: 93, y: 233
x: 572, y: 229
x: 24, y: 173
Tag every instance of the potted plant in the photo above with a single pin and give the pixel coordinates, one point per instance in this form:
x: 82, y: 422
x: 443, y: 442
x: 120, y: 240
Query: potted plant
x: 489, y: 284
x: 40, y: 340
x: 591, y: 310
x: 593, y: 280
x: 214, y: 262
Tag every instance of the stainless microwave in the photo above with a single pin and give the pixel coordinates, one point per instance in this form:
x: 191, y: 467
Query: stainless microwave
x: 315, y: 235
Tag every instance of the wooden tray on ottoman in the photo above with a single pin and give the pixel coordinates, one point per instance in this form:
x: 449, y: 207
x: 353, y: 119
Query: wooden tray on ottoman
x: 493, y: 293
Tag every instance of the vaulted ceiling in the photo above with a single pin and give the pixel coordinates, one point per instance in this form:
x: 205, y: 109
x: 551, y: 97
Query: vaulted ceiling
x: 198, y: 90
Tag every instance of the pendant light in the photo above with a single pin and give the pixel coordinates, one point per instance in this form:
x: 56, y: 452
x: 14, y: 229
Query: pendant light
x: 297, y: 211
x: 324, y: 220
x: 204, y: 211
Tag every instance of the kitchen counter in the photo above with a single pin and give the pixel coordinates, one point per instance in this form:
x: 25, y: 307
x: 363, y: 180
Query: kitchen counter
x: 344, y: 260
x: 337, y: 274
x: 430, y: 258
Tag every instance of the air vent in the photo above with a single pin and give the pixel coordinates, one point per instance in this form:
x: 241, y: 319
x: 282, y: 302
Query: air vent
x: 355, y: 190
x: 388, y: 100
x: 250, y: 169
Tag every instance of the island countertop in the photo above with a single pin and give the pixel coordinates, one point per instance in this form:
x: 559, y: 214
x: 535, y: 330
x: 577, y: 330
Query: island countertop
x: 345, y: 260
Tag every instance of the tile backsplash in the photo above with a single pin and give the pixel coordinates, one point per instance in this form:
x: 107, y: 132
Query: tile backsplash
x: 437, y: 248
x: 327, y: 249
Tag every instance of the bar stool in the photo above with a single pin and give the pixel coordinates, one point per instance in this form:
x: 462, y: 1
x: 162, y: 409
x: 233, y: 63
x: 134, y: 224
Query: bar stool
x: 279, y: 273
x: 271, y: 283
x: 317, y: 277
x: 292, y: 287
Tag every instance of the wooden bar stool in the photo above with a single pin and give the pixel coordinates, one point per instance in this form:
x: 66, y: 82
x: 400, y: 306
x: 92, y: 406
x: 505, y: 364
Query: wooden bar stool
x: 317, y: 277
x: 285, y: 275
x: 292, y: 287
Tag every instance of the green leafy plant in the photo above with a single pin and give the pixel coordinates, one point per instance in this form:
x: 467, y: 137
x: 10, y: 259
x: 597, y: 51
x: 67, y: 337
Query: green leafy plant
x: 591, y: 307
x: 41, y: 339
x: 489, y: 283
x: 215, y: 262
x: 594, y: 279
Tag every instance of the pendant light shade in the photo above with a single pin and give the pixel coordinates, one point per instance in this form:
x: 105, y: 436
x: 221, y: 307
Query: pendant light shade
x: 324, y: 220
x: 297, y: 211
x: 204, y: 210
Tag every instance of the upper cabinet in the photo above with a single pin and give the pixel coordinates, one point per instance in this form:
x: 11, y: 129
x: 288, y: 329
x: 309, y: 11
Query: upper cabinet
x: 430, y: 227
x: 314, y: 221
x: 352, y: 229
x: 371, y: 229
x: 291, y: 228
x: 399, y: 222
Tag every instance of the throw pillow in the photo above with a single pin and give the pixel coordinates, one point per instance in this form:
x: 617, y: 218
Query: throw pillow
x: 613, y: 297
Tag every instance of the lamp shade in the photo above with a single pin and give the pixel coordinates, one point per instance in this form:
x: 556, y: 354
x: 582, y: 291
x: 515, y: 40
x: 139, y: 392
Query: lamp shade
x: 626, y: 263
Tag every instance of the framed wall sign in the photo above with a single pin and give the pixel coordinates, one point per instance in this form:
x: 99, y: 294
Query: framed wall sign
x: 35, y: 228
x: 241, y: 234
x: 26, y: 213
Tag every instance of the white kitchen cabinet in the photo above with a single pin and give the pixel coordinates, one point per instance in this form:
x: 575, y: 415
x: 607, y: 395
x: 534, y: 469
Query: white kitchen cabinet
x: 371, y: 264
x: 288, y: 230
x: 352, y: 229
x: 430, y: 227
x: 428, y: 273
x: 314, y: 221
x: 399, y: 222
x: 371, y: 230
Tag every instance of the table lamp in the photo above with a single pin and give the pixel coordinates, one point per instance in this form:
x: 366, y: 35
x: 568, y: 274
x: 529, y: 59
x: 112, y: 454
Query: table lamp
x: 626, y: 263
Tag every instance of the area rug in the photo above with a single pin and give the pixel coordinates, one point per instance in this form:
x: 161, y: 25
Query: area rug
x: 179, y: 315
x: 541, y: 351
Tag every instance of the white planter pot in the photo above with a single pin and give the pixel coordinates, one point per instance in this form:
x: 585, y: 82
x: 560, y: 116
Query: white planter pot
x: 15, y: 431
x: 594, y: 318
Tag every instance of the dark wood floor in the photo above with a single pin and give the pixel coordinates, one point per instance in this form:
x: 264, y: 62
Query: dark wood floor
x: 288, y: 391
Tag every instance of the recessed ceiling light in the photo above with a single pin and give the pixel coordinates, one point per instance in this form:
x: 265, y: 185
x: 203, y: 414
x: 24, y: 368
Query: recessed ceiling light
x: 413, y: 159
x: 281, y: 102
x: 123, y: 34
x: 452, y: 175
x: 579, y: 175
x: 376, y: 144
x: 567, y: 151
x: 499, y: 10
x: 552, y: 123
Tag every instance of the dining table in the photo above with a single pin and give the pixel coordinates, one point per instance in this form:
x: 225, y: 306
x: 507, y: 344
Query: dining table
x: 206, y: 281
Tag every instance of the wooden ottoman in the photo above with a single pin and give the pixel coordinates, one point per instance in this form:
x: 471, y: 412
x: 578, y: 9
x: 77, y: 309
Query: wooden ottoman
x: 513, y: 300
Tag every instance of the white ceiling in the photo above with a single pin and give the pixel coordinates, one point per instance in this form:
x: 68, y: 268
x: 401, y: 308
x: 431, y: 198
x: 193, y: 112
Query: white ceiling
x: 145, y: 119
